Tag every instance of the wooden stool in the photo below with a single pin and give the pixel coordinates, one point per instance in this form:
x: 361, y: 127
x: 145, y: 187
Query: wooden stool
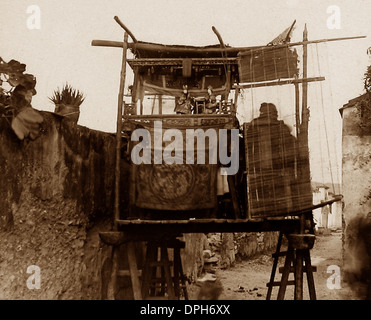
x: 169, y: 282
x: 297, y: 253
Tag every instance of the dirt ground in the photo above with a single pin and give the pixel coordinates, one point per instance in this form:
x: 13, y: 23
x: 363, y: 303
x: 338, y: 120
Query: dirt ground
x: 246, y: 280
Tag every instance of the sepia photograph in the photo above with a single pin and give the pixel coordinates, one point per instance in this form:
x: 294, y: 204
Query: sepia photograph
x: 190, y: 151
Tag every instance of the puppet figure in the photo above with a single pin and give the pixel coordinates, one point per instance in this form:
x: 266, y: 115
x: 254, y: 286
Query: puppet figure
x: 184, y: 103
x: 211, y: 103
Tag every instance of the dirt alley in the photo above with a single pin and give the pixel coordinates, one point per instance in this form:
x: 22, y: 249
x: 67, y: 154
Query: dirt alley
x: 247, y: 279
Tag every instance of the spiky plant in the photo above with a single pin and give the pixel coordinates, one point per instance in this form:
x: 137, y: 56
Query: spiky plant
x: 364, y: 105
x: 68, y: 96
x: 367, y: 79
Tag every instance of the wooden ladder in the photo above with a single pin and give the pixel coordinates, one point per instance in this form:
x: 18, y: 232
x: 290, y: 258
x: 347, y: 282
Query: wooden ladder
x: 298, y: 253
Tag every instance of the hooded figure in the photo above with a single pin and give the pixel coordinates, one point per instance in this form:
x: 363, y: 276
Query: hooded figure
x: 271, y: 161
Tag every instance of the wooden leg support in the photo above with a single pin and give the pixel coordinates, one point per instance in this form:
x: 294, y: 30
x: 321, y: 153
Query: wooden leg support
x: 310, y: 278
x: 171, y: 279
x: 285, y: 274
x: 166, y: 266
x: 298, y: 254
x: 276, y: 256
x: 133, y: 269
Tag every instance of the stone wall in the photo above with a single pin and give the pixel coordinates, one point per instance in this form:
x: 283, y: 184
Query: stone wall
x: 55, y: 196
x: 356, y: 145
x: 252, y: 244
x: 232, y: 247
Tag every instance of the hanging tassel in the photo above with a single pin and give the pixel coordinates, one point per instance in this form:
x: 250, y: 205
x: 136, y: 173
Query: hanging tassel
x: 187, y: 68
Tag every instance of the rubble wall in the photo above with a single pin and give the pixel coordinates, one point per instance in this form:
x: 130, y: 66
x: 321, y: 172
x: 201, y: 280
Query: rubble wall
x: 55, y: 196
x: 356, y: 176
x: 232, y: 247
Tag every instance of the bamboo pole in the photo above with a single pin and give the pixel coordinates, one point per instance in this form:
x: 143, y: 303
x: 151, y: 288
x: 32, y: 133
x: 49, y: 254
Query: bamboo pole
x: 120, y: 101
x: 304, y: 146
x: 160, y: 104
x: 118, y: 131
x: 125, y: 28
x: 305, y: 75
x: 224, y: 56
x: 170, y: 48
x: 297, y: 108
x: 277, y: 83
x: 289, y: 33
x: 304, y: 154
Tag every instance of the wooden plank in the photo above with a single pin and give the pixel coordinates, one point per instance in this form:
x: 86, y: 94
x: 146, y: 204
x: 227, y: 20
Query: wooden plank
x: 191, y: 221
x: 177, y: 271
x: 278, y: 283
x: 285, y: 274
x: 151, y: 255
x: 279, y: 254
x: 177, y: 116
x: 298, y: 295
x: 133, y: 268
x: 167, y: 271
x: 274, y: 267
x: 158, y: 263
x: 220, y: 222
x: 179, y: 61
x: 149, y: 232
x: 224, y: 221
x: 126, y: 273
x: 313, y: 268
x: 113, y: 287
x: 310, y: 269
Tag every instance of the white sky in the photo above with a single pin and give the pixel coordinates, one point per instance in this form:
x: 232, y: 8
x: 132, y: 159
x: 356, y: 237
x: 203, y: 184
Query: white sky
x: 61, y: 50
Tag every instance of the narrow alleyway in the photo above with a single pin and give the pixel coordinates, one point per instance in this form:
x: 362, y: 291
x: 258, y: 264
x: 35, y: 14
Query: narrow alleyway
x: 247, y: 279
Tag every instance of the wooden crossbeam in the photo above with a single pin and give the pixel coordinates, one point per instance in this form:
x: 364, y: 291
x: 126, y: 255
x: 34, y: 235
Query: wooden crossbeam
x: 140, y: 62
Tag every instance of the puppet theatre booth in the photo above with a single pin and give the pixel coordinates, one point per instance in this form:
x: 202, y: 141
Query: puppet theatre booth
x: 251, y: 174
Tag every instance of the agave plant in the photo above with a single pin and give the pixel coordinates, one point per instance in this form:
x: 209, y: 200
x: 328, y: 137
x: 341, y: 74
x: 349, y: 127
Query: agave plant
x: 367, y: 79
x: 68, y: 96
x: 67, y: 102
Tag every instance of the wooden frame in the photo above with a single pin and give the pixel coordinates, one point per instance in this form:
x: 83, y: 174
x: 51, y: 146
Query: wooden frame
x: 208, y: 56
